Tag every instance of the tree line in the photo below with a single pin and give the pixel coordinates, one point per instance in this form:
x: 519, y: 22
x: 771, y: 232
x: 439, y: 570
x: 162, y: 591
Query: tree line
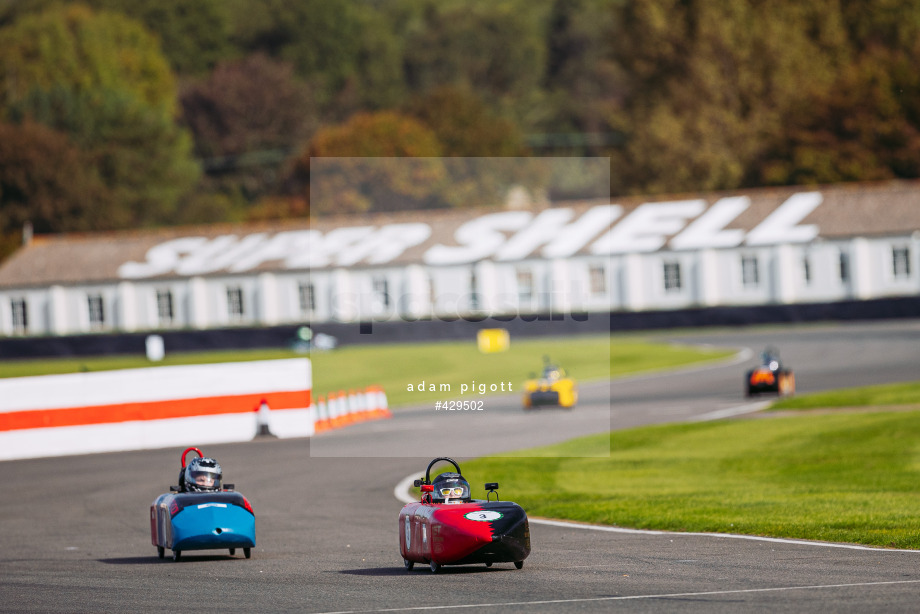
x: 124, y: 114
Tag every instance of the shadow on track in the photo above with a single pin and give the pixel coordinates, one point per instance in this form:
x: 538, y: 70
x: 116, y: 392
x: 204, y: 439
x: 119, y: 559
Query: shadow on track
x: 154, y: 560
x: 420, y: 570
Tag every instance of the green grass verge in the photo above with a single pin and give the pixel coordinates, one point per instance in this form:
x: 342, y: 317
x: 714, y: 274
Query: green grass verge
x: 881, y: 395
x: 397, y: 366
x: 52, y: 366
x: 845, y: 477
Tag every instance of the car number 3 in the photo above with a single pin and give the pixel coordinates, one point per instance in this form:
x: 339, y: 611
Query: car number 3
x: 485, y: 516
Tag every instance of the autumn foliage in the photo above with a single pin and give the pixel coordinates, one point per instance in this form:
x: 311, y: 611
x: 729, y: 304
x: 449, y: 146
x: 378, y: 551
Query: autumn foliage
x: 190, y: 111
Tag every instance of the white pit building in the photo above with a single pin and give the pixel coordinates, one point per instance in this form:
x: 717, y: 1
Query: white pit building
x: 757, y: 247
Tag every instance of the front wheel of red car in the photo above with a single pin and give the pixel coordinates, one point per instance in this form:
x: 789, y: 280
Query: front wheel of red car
x: 408, y: 564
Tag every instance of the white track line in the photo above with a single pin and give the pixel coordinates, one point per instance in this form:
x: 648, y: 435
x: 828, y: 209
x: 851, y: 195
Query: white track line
x: 774, y: 540
x: 401, y: 492
x: 634, y: 597
x: 729, y: 412
x: 743, y: 355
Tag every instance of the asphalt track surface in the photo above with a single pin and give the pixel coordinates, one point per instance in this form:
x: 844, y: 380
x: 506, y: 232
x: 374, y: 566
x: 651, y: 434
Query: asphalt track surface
x: 74, y: 532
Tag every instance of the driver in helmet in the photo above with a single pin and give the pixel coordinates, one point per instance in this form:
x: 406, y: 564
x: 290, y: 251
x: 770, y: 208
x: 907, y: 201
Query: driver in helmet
x: 450, y: 488
x: 551, y: 372
x: 770, y: 358
x: 202, y: 475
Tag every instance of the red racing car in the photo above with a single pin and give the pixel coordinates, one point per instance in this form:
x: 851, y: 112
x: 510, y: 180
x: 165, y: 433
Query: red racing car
x: 448, y: 527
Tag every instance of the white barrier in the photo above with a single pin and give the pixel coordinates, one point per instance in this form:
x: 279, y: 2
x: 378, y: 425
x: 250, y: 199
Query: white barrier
x: 133, y: 409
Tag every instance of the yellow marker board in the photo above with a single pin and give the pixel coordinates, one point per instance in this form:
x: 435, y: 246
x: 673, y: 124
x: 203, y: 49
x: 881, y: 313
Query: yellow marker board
x: 492, y: 340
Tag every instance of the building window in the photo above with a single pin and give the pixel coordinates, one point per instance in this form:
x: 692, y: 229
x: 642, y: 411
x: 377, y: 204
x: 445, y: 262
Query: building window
x: 806, y: 270
x: 96, y: 311
x: 597, y: 279
x: 844, y: 267
x: 165, y: 312
x: 672, y: 277
x: 900, y: 262
x: 525, y: 286
x: 235, y: 303
x: 381, y: 290
x: 20, y: 316
x: 306, y: 295
x: 750, y: 274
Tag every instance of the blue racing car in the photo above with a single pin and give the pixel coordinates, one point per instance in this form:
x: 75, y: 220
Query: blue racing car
x: 201, y: 513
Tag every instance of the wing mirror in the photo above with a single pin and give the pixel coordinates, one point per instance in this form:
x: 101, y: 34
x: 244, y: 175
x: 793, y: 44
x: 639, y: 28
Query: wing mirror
x: 229, y: 487
x: 426, y: 489
x: 492, y: 487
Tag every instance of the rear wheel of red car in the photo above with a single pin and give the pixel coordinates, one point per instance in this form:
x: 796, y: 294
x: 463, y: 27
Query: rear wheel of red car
x: 408, y: 564
x: 247, y: 552
x: 488, y: 564
x: 435, y: 567
x: 519, y: 564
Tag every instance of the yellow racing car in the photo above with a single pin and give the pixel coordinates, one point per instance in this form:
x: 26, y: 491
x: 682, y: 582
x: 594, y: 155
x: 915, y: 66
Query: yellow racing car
x: 553, y: 388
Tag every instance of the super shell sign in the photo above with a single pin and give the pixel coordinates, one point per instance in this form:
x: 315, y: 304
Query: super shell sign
x: 504, y: 236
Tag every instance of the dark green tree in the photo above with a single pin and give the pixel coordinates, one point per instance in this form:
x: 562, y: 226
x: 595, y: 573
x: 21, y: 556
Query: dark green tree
x: 47, y: 181
x: 74, y: 47
x: 194, y: 35
x: 465, y: 126
x: 866, y: 124
x: 11, y: 10
x: 347, y: 183
x: 379, y: 82
x: 250, y: 104
x: 495, y: 49
x: 709, y: 84
x: 860, y: 129
x: 320, y: 38
x: 100, y: 78
x: 247, y: 117
x: 583, y: 81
